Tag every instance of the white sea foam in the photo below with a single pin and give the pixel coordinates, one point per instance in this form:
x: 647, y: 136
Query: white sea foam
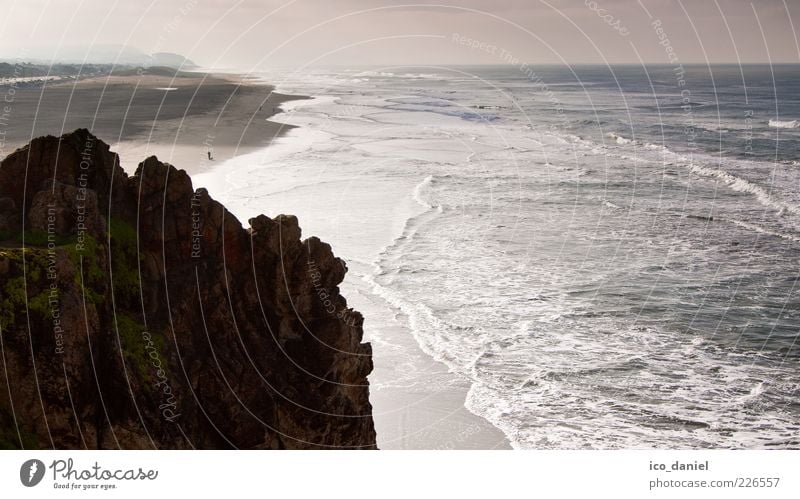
x: 784, y: 124
x: 620, y: 140
x: 762, y: 230
x: 419, y: 194
x: 741, y: 185
x: 504, y: 251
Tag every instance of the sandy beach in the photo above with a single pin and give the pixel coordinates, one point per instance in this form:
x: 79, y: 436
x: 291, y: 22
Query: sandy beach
x: 179, y: 119
x: 417, y: 403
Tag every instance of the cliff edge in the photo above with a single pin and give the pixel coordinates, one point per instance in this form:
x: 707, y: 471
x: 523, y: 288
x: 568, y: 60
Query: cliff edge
x: 137, y: 313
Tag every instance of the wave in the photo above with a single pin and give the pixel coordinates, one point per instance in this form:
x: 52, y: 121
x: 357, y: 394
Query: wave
x: 761, y: 230
x: 506, y: 387
x: 736, y: 183
x: 619, y: 139
x: 426, y: 328
x: 412, y: 224
x: 784, y: 124
x: 418, y: 190
x: 741, y: 185
x: 412, y: 76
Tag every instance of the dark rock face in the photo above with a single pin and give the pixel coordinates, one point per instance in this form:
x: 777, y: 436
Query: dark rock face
x: 141, y: 314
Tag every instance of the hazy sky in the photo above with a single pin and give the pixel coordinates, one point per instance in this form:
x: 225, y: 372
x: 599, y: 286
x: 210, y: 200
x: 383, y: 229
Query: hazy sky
x: 258, y: 34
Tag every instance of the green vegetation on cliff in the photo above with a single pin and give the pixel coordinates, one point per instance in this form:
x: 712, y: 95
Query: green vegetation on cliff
x: 124, y: 262
x: 91, y: 256
x: 13, y: 299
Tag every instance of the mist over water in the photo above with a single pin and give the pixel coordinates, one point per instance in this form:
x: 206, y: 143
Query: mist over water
x: 609, y: 261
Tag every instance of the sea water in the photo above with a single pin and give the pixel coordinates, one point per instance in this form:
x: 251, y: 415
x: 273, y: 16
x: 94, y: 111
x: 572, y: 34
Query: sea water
x: 609, y: 256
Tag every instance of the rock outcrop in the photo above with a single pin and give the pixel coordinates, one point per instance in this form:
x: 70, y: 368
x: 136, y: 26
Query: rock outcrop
x: 137, y: 312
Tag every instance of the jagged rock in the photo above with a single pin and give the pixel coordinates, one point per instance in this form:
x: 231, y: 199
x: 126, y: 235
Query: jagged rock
x: 163, y: 323
x: 8, y: 215
x: 64, y: 210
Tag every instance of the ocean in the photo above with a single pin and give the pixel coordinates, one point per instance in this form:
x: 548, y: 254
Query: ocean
x: 608, y: 257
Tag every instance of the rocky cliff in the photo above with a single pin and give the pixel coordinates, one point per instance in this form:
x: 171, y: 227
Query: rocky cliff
x: 136, y: 312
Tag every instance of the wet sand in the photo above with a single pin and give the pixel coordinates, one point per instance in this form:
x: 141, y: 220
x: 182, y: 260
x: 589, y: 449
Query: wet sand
x: 138, y: 116
x: 418, y: 403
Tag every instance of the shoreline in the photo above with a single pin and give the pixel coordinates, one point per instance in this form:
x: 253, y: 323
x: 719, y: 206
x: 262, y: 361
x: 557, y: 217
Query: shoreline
x: 418, y: 403
x: 179, y: 119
